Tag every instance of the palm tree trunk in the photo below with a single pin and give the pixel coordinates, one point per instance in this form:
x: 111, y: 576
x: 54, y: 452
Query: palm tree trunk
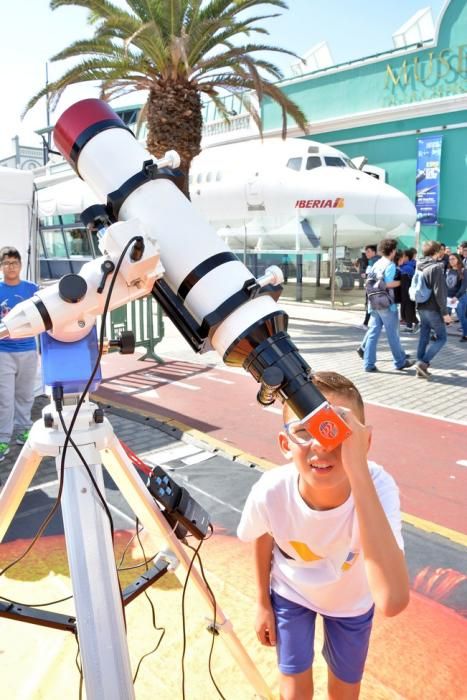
x: 174, y: 120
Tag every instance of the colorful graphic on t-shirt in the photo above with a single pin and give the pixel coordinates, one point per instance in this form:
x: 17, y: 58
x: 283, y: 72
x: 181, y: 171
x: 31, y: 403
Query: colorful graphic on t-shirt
x: 304, y: 552
x: 350, y: 561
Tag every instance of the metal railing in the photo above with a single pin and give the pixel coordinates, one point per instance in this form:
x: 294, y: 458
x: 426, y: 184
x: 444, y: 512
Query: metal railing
x: 143, y: 317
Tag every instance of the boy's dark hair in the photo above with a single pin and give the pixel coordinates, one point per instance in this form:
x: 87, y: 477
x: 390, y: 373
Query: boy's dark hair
x: 411, y: 253
x: 398, y: 255
x: 430, y: 248
x: 386, y: 246
x: 371, y: 247
x: 9, y: 252
x: 333, y: 382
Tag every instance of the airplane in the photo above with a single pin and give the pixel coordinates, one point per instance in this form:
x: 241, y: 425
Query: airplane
x: 289, y: 194
x: 272, y: 195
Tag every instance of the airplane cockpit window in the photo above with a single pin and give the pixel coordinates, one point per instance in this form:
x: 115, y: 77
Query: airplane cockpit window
x: 313, y: 162
x: 294, y: 163
x: 209, y: 177
x: 350, y: 163
x: 218, y: 176
x: 334, y: 161
x: 199, y: 178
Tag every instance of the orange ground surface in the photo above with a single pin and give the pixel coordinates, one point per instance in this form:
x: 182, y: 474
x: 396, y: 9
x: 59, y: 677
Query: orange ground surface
x: 419, y: 655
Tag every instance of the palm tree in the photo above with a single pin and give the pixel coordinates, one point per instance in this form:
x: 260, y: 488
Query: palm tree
x: 177, y: 50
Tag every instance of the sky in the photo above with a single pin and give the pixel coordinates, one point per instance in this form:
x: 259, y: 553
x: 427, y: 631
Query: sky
x: 32, y: 34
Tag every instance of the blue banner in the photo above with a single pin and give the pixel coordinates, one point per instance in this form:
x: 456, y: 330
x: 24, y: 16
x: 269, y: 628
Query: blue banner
x: 428, y: 175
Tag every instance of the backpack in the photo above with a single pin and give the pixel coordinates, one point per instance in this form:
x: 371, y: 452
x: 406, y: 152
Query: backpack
x: 419, y: 291
x: 379, y: 297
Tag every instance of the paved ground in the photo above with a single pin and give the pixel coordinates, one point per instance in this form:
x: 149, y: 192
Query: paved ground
x: 328, y: 340
x: 200, y: 421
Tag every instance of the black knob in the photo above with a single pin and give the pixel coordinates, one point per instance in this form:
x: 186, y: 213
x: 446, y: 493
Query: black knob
x: 99, y: 415
x: 125, y: 343
x: 48, y: 420
x: 107, y: 267
x: 72, y: 288
x: 271, y: 381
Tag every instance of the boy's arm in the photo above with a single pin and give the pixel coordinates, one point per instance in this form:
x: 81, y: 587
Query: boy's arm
x: 384, y: 560
x: 264, y: 623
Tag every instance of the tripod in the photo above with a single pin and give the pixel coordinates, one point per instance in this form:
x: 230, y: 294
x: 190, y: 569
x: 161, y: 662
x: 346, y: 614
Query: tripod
x: 99, y: 611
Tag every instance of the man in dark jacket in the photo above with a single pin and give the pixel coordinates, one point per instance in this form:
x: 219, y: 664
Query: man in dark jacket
x: 434, y: 312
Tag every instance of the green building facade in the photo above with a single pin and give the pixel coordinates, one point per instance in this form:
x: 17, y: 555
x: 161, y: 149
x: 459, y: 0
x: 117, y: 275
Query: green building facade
x: 380, y: 106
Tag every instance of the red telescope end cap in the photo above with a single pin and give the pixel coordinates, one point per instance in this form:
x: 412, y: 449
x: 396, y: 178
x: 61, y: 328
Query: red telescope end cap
x: 80, y: 123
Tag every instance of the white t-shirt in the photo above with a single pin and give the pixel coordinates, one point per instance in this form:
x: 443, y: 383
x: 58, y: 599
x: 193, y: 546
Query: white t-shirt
x: 317, y: 560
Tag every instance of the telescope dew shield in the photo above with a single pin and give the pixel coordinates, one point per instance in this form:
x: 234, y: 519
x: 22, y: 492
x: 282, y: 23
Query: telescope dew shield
x: 199, y: 267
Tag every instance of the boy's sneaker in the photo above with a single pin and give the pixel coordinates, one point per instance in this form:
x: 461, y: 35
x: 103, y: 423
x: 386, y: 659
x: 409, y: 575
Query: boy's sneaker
x: 22, y: 438
x: 4, y: 450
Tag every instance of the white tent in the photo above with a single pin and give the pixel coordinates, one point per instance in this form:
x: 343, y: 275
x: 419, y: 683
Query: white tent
x: 67, y: 197
x: 18, y: 218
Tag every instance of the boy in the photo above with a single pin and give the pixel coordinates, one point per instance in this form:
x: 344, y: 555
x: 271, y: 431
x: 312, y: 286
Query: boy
x: 18, y: 358
x: 327, y: 538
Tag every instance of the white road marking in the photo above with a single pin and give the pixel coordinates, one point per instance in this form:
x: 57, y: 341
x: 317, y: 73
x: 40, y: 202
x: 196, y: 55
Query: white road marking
x: 417, y: 413
x: 149, y: 394
x: 195, y: 459
x: 125, y: 389
x: 273, y: 409
x: 218, y: 379
x: 168, y: 454
x: 191, y: 487
x: 462, y: 462
x: 182, y: 385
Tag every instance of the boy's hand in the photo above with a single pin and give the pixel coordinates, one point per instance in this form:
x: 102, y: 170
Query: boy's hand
x: 355, y: 448
x: 265, y: 625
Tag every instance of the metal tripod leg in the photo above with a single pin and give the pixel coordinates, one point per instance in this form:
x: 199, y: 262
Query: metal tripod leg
x: 99, y: 609
x: 141, y: 502
x: 16, y: 486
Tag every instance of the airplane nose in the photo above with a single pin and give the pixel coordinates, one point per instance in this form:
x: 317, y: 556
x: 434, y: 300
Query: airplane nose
x: 394, y: 211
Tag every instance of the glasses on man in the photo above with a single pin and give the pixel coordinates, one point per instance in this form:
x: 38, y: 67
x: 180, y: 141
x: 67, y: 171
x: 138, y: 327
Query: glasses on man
x: 12, y: 263
x: 297, y: 433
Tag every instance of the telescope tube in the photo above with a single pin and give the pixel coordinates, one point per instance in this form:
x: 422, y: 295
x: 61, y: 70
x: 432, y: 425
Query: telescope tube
x: 199, y: 267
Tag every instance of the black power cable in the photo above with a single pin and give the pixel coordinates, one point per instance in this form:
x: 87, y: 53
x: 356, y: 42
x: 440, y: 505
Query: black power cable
x: 68, y: 439
x: 214, y: 631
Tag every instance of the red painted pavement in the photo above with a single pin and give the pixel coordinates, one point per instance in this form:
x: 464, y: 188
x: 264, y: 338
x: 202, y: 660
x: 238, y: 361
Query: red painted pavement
x: 419, y: 451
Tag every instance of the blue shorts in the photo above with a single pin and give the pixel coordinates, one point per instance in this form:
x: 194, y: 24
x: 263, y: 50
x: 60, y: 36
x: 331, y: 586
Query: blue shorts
x: 346, y: 640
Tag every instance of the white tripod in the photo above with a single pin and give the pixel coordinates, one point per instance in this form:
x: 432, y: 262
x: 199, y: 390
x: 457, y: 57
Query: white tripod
x: 99, y: 612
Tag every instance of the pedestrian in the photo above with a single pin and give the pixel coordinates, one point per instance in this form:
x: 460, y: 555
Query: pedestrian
x: 407, y: 265
x: 384, y: 270
x: 456, y: 281
x: 444, y: 256
x: 326, y: 530
x: 18, y: 357
x: 433, y: 312
x: 372, y: 257
x: 360, y: 266
x: 461, y: 308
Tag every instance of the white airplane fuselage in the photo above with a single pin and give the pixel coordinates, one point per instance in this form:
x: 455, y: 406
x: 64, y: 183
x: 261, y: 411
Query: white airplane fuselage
x: 290, y: 194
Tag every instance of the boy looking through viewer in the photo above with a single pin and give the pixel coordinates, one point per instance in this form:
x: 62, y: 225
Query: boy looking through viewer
x: 327, y: 539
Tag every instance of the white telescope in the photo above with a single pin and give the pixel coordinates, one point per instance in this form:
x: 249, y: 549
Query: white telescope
x: 206, y: 290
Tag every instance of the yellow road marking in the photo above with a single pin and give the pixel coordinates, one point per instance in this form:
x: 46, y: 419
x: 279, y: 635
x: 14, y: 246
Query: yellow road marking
x: 236, y: 453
